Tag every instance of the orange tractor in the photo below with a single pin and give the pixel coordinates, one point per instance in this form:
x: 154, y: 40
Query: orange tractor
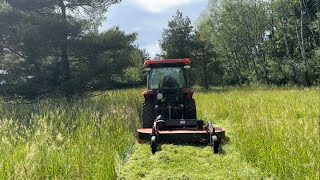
x: 169, y: 110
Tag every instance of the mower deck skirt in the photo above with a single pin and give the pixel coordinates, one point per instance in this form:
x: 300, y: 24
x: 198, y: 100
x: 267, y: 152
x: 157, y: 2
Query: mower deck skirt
x: 175, y: 136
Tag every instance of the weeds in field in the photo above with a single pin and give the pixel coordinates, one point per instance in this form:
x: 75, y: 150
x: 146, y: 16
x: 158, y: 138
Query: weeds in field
x: 82, y: 139
x: 275, y: 129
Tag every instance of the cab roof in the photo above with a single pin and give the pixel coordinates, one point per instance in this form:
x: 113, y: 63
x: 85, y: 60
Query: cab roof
x: 167, y: 62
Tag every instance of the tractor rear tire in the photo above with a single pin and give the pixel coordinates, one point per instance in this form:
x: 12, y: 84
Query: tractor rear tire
x: 147, y: 114
x: 190, y: 111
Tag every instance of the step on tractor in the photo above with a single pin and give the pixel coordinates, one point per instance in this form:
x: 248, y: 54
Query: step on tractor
x: 169, y: 110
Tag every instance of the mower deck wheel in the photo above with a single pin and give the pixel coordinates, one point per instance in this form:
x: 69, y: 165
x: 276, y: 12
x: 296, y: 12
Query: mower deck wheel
x: 215, y: 144
x: 154, y: 144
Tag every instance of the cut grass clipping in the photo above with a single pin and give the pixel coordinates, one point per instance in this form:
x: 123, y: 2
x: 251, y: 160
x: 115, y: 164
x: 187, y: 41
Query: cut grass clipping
x: 273, y: 133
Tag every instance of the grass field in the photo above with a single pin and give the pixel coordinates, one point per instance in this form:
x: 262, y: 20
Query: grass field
x: 273, y: 133
x: 82, y: 139
x: 275, y: 130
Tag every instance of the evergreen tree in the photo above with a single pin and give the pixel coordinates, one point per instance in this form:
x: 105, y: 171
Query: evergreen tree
x: 54, y: 46
x: 177, y: 39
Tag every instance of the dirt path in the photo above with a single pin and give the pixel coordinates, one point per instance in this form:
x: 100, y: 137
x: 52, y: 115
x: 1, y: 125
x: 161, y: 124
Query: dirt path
x: 187, y: 162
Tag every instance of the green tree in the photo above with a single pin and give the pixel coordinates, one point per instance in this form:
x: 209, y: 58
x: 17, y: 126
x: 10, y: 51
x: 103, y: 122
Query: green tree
x: 101, y: 58
x: 207, y: 69
x: 177, y: 39
x: 180, y: 40
x: 54, y: 45
x: 269, y: 42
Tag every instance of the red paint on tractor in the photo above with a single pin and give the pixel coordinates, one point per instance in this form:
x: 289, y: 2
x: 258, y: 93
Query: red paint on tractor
x: 189, y: 93
x: 166, y: 61
x: 141, y: 141
x: 149, y: 131
x: 148, y: 93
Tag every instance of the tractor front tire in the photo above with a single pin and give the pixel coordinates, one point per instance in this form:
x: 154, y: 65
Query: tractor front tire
x: 147, y: 114
x: 190, y: 109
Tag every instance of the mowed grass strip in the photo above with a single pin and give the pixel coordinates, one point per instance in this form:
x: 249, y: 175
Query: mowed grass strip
x: 187, y: 162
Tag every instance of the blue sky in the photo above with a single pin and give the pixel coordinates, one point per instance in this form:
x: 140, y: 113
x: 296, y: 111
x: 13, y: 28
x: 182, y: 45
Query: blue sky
x: 149, y: 17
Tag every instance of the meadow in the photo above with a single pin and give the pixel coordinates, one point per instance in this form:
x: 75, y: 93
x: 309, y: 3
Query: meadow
x: 59, y: 139
x: 276, y: 130
x: 273, y: 133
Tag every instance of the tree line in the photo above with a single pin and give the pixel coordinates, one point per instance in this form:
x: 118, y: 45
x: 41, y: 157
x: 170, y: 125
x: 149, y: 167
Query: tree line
x: 54, y: 46
x: 245, y: 42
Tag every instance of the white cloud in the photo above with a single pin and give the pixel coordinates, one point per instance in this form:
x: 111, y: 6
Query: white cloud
x: 152, y: 49
x: 157, y: 6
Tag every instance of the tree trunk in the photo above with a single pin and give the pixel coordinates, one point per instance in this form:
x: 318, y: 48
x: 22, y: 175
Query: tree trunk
x: 318, y: 10
x: 300, y: 37
x: 238, y: 67
x: 314, y: 43
x: 64, y: 45
x: 265, y: 69
x: 273, y: 46
x: 67, y: 89
x: 205, y: 76
x: 291, y: 62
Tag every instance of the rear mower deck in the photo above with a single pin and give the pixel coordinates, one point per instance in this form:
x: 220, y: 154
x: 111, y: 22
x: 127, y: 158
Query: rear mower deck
x: 212, y: 136
x: 171, y: 136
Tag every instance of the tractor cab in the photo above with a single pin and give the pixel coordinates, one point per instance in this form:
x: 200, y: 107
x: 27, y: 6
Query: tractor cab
x: 167, y: 76
x: 168, y: 92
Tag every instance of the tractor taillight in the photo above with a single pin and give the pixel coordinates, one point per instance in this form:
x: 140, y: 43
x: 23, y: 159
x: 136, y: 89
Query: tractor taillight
x: 188, y: 92
x: 148, y: 93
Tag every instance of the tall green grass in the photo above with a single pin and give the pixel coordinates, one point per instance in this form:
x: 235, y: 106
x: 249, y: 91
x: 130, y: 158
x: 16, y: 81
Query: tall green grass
x: 83, y: 139
x: 275, y: 129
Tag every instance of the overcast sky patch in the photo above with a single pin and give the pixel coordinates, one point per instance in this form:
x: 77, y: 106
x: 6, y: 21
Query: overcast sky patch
x: 148, y: 18
x: 157, y: 6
